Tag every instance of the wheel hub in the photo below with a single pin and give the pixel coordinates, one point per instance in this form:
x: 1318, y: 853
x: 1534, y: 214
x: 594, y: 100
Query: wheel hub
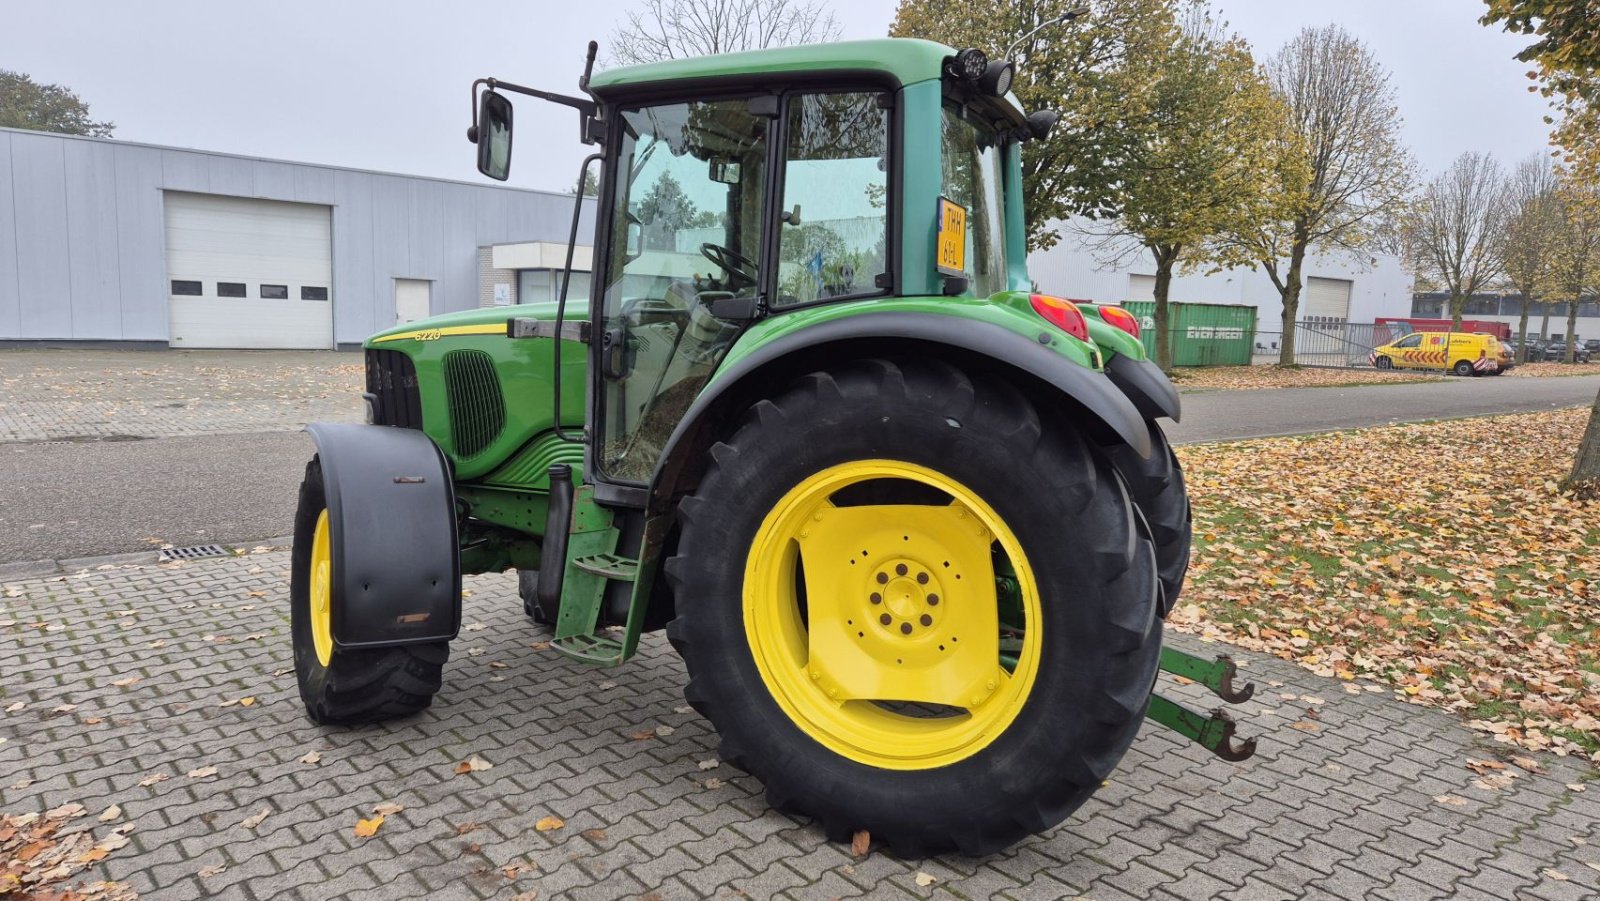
x: 903, y: 596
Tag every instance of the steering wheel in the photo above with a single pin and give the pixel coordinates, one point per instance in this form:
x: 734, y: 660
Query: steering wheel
x: 740, y: 268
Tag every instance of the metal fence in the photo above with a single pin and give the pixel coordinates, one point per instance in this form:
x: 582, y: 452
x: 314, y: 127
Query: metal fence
x: 1345, y: 345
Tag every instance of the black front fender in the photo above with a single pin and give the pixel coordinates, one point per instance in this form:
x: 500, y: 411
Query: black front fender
x: 396, y: 575
x: 1146, y: 386
x: 758, y: 374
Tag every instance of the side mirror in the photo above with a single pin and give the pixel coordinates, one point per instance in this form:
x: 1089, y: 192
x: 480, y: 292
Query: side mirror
x: 724, y: 172
x: 633, y: 238
x: 1041, y: 121
x: 494, y: 135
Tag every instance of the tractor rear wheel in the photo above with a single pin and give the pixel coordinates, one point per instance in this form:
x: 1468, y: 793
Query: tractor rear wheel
x: 346, y: 685
x: 911, y: 604
x: 528, y: 590
x: 1159, y: 492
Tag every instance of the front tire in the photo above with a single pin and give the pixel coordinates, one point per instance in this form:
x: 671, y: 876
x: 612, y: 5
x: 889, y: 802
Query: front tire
x: 1158, y: 490
x: 809, y: 575
x: 346, y: 685
x: 1464, y: 369
x: 528, y: 590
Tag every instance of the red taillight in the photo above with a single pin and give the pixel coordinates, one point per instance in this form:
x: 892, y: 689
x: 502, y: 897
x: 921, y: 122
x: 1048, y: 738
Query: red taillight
x: 1063, y: 314
x: 1122, y: 319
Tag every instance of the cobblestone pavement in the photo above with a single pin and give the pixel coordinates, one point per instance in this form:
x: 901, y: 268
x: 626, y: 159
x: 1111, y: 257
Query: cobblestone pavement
x: 57, y: 395
x: 1368, y: 799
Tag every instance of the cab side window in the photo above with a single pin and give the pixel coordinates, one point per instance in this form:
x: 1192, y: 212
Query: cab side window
x: 1409, y: 341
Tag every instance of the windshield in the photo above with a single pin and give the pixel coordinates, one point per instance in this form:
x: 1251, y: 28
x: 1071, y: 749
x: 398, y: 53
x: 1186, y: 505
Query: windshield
x: 973, y: 169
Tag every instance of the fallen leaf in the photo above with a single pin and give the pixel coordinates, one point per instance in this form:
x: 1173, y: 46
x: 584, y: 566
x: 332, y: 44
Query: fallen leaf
x: 17, y: 706
x: 1451, y: 800
x: 254, y: 820
x: 66, y: 812
x: 683, y: 709
x: 110, y: 813
x: 312, y: 757
x: 474, y: 627
x: 525, y: 896
x: 642, y: 734
x: 203, y: 772
x: 861, y: 843
x: 473, y: 764
x: 664, y: 731
x: 540, y: 646
x: 92, y: 855
x: 476, y: 652
x: 1528, y: 763
x: 548, y: 823
x: 208, y: 872
x: 594, y: 835
x: 93, y: 720
x: 148, y: 781
x: 495, y: 664
x: 123, y: 683
x: 65, y: 708
x: 1557, y: 875
x: 713, y: 783
x: 709, y: 764
x: 464, y: 828
x: 368, y: 828
x: 924, y: 880
x: 387, y: 809
x: 1305, y: 726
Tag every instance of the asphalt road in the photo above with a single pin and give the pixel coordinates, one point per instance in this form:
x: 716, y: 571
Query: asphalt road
x: 67, y: 500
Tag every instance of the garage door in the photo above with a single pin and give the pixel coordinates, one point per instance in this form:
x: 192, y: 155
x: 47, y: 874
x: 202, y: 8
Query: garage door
x: 249, y: 273
x: 1327, y: 300
x: 1141, y: 287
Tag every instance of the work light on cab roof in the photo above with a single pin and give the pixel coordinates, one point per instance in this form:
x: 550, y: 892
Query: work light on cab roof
x: 774, y: 436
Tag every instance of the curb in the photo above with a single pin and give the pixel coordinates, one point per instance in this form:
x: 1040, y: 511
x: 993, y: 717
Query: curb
x: 32, y: 569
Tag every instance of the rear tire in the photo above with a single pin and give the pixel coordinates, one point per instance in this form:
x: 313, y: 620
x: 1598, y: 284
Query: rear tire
x: 1384, y: 363
x: 1158, y: 490
x: 1087, y: 562
x: 1464, y: 369
x: 528, y: 589
x: 353, y: 685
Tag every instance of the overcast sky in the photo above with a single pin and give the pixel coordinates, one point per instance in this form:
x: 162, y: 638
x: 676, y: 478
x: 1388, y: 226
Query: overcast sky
x: 384, y: 85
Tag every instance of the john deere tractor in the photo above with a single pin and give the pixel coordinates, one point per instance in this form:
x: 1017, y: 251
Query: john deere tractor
x: 911, y: 525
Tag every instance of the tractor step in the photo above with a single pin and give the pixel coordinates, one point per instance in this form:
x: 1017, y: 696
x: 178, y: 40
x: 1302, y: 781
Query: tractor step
x: 1213, y: 731
x: 595, y: 650
x: 609, y: 566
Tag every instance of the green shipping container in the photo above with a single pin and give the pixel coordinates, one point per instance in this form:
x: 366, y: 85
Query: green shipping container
x: 1203, y: 334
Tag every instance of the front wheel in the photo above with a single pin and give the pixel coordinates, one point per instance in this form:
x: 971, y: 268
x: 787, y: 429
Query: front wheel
x: 346, y: 685
x: 1464, y: 368
x: 1156, y: 484
x: 911, y: 604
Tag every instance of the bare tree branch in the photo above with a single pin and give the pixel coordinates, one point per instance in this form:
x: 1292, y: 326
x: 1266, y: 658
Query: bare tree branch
x: 676, y: 29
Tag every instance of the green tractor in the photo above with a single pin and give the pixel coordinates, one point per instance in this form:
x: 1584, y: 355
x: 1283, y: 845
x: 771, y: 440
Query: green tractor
x: 911, y: 525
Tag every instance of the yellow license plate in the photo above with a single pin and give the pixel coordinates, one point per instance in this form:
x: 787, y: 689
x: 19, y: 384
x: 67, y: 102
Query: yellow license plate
x: 952, y: 258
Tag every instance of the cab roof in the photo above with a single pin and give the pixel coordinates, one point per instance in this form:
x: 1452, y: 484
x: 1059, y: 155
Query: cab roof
x: 906, y: 60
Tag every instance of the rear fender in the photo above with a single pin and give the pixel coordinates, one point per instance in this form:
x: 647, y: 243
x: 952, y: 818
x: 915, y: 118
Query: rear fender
x: 391, y: 515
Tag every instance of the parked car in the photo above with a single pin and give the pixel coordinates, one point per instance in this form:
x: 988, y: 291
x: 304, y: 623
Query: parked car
x: 1463, y: 353
x: 1592, y: 345
x: 1556, y: 352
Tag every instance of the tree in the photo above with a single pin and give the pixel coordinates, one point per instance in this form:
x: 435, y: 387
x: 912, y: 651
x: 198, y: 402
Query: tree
x: 1575, y: 265
x: 1201, y: 138
x: 1532, y: 231
x: 1456, y: 232
x: 1069, y: 67
x: 674, y: 29
x: 665, y: 210
x: 591, y: 185
x: 24, y: 103
x: 1348, y: 171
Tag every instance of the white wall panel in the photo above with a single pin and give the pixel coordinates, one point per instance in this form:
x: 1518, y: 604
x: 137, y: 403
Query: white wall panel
x: 44, y: 262
x: 10, y: 298
x: 141, y: 244
x: 91, y: 191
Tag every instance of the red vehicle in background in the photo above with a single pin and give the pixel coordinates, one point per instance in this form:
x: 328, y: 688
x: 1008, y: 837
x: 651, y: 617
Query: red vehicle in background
x: 1501, y: 330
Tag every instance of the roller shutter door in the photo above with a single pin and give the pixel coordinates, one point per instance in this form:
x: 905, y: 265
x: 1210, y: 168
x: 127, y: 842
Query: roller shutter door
x: 248, y: 273
x: 1327, y: 300
x: 1141, y: 287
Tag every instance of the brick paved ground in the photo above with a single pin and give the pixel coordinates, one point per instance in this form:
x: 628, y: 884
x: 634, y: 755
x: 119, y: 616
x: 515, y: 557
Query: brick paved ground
x: 89, y: 394
x: 1351, y: 810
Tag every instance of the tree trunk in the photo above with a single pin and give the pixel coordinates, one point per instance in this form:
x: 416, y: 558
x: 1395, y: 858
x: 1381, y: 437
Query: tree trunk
x: 1457, y: 304
x: 1291, y: 302
x: 1572, y: 327
x: 1163, y: 331
x: 1544, y: 327
x: 1522, y: 331
x: 1586, y: 469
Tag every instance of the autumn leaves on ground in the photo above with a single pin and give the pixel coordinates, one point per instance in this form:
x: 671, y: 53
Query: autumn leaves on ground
x: 1438, y: 560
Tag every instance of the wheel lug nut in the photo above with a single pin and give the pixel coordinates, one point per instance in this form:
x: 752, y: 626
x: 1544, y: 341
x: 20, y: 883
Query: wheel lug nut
x: 927, y: 620
x: 905, y: 628
x: 933, y: 600
x: 877, y: 598
x: 922, y: 578
x: 899, y: 569
x: 886, y: 619
x: 883, y: 578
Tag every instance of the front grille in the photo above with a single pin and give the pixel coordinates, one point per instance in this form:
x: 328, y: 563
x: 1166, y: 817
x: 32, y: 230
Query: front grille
x: 472, y: 390
x: 392, y: 382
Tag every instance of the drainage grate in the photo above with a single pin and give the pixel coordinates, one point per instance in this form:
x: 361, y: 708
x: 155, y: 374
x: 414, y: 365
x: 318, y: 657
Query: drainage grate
x: 191, y: 553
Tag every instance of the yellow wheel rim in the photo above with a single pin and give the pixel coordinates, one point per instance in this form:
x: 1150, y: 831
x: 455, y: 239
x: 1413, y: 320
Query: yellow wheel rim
x: 899, y: 607
x: 322, y: 590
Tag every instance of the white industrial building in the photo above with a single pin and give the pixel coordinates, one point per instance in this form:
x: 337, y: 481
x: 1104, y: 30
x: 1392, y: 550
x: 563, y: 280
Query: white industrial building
x: 1337, y: 288
x: 111, y: 241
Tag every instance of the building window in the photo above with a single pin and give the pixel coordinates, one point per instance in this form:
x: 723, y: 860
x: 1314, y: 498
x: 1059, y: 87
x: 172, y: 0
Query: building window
x: 186, y: 288
x: 311, y: 293
x: 274, y: 292
x: 230, y: 289
x: 544, y: 286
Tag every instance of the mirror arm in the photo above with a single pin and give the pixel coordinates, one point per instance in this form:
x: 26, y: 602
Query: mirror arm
x: 592, y: 133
